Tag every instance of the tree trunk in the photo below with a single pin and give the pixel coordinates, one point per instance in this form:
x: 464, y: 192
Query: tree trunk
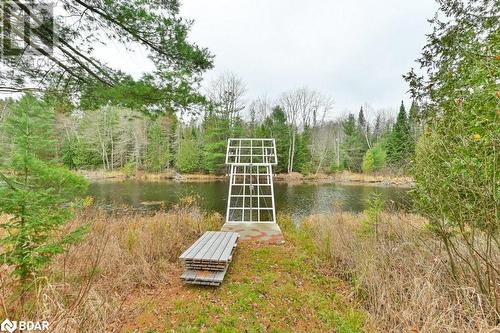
x: 292, y: 152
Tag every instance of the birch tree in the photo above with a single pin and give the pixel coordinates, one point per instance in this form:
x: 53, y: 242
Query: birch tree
x: 302, y: 107
x: 226, y: 93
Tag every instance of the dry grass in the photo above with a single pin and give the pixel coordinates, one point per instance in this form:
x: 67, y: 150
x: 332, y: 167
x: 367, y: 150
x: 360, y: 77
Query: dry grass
x: 84, y: 289
x: 125, y: 277
x: 384, y: 179
x: 291, y: 178
x: 127, y: 268
x: 120, y: 175
x: 402, y: 276
x: 346, y: 177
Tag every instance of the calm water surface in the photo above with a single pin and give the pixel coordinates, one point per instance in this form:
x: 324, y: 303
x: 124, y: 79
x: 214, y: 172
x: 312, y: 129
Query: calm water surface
x: 298, y: 200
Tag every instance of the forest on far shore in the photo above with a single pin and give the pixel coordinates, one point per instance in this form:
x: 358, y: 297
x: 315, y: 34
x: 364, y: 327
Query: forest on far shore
x: 114, y: 137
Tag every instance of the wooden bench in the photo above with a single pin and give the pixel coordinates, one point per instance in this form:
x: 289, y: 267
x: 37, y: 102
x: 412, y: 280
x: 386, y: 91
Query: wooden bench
x: 207, y: 260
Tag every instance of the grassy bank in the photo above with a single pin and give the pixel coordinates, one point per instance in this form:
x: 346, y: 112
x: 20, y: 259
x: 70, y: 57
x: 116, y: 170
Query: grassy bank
x: 269, y: 288
x: 120, y: 175
x: 125, y: 277
x: 335, y: 273
x: 344, y: 177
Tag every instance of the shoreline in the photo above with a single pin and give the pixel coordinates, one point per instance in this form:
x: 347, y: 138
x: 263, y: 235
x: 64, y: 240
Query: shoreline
x: 344, y: 178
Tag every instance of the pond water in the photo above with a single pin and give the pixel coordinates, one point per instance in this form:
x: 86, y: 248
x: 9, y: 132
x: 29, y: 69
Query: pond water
x: 297, y: 200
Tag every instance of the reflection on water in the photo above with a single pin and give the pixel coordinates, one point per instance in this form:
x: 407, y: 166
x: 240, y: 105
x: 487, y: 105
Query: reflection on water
x: 297, y: 200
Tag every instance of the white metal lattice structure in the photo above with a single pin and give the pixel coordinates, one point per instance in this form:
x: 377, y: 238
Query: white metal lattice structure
x: 251, y: 192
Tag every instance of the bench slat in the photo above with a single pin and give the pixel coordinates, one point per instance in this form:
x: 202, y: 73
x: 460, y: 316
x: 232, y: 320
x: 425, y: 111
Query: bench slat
x: 204, y: 276
x: 195, y: 248
x: 219, y: 246
x: 226, y: 254
x: 217, y: 254
x: 208, y: 246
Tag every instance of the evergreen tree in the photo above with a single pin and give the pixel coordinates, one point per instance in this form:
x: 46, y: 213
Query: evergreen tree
x: 69, y: 153
x: 78, y: 154
x: 76, y: 70
x: 275, y: 126
x: 353, y: 147
x: 189, y: 154
x: 237, y: 128
x: 415, y: 121
x: 37, y: 194
x: 158, y: 152
x: 399, y: 144
x: 414, y: 116
x: 377, y: 129
x: 379, y: 157
x: 363, y: 129
x: 374, y: 159
x: 361, y: 119
x: 216, y: 133
x: 368, y: 162
x: 303, y: 159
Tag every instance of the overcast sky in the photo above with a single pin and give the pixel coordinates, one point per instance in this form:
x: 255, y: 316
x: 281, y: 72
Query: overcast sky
x: 353, y: 50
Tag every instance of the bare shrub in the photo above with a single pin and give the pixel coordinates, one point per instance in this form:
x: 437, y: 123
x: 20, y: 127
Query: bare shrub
x: 401, y: 276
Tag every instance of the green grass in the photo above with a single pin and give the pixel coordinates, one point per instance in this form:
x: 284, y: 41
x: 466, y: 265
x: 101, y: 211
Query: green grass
x: 269, y: 288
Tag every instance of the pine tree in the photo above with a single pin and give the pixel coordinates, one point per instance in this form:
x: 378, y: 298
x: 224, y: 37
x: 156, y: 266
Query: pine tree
x: 189, y: 154
x: 414, y: 116
x: 158, y: 150
x: 368, y: 162
x: 361, y: 119
x: 37, y: 194
x: 303, y: 159
x: 363, y: 129
x: 374, y: 159
x: 353, y: 146
x: 399, y: 143
x: 275, y: 126
x: 379, y: 157
x: 415, y: 121
x: 216, y: 133
x: 377, y: 129
x: 252, y: 124
x: 237, y: 127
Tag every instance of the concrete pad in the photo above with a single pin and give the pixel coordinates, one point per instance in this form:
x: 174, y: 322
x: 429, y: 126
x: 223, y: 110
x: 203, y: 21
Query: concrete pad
x: 257, y: 232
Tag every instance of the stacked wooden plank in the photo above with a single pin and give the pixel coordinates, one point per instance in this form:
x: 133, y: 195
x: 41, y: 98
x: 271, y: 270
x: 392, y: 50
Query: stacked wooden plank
x: 207, y: 260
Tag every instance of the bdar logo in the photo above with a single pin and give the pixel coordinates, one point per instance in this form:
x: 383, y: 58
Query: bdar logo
x: 23, y: 325
x: 9, y: 326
